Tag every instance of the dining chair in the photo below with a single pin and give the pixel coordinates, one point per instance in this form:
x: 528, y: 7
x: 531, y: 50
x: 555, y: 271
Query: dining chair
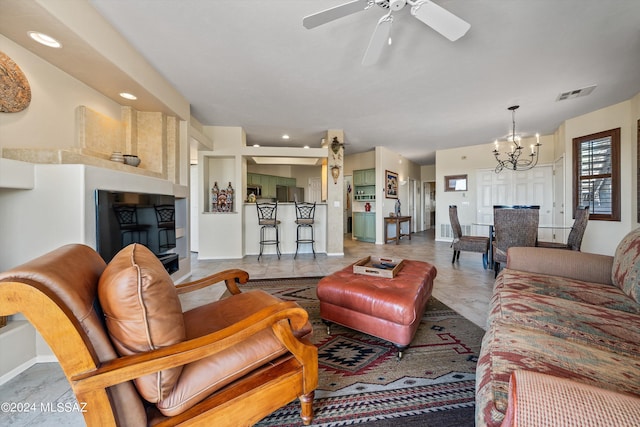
x: 513, y: 227
x: 466, y: 243
x: 574, y: 240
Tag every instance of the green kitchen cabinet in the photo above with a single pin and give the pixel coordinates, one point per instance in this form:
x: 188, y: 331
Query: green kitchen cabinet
x: 364, y: 177
x: 364, y: 226
x: 269, y: 182
x: 364, y: 185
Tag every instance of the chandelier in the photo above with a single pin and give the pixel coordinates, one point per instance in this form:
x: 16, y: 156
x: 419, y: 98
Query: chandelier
x: 511, y: 159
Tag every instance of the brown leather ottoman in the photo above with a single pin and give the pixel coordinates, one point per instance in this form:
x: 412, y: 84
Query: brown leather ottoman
x: 390, y: 309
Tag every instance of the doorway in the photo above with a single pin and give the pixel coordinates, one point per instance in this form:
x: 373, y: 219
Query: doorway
x: 347, y: 202
x: 429, y: 199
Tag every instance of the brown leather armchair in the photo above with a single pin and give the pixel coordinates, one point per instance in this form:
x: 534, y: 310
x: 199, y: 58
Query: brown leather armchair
x: 262, y: 338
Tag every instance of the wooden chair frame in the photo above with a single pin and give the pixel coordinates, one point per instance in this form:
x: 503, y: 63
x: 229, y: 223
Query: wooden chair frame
x: 243, y: 402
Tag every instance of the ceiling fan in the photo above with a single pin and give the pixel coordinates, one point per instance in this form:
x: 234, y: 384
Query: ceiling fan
x: 438, y: 18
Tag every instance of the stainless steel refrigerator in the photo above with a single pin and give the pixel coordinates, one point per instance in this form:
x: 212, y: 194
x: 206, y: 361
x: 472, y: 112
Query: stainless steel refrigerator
x: 289, y: 194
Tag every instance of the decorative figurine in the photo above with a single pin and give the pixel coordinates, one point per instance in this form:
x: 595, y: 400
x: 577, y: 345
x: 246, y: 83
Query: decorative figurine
x: 398, y: 207
x: 223, y: 201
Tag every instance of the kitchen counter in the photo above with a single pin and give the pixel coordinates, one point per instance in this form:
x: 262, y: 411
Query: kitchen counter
x: 287, y: 217
x: 289, y: 203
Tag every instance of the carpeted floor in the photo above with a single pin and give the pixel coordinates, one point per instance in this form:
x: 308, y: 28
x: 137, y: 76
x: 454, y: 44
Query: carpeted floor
x: 361, y: 381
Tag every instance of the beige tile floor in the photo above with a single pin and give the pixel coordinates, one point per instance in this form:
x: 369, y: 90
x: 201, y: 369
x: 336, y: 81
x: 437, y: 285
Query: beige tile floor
x: 464, y: 286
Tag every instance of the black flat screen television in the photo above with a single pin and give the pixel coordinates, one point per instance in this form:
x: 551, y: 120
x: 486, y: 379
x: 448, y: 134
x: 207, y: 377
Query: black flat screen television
x: 127, y: 217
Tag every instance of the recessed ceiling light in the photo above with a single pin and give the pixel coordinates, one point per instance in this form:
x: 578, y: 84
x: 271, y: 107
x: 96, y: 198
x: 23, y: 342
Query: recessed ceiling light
x: 256, y: 145
x: 306, y: 146
x: 44, y: 39
x: 285, y: 136
x: 127, y: 95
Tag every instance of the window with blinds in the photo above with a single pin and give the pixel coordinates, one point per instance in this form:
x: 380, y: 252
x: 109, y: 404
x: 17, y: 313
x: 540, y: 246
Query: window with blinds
x: 596, y: 168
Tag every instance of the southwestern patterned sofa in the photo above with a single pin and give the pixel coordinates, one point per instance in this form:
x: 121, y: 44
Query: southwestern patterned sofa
x: 563, y: 339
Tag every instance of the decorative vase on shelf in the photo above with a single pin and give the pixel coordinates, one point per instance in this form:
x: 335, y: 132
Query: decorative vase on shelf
x: 117, y: 156
x: 230, y: 197
x: 214, y: 197
x: 367, y: 207
x: 131, y: 160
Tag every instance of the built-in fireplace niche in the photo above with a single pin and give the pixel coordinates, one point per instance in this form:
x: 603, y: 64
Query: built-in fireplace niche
x: 123, y: 218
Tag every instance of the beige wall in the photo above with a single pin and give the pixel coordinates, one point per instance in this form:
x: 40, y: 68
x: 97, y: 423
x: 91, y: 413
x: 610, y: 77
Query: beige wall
x: 601, y: 236
x: 466, y: 160
x: 49, y: 121
x: 366, y: 160
x: 604, y: 236
x: 428, y: 173
x: 390, y: 160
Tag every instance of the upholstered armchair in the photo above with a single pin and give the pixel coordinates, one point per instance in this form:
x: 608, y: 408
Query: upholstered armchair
x: 460, y: 242
x: 135, y: 359
x: 513, y: 227
x: 574, y: 240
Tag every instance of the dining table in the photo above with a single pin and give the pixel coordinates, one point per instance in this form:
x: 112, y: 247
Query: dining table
x: 492, y: 234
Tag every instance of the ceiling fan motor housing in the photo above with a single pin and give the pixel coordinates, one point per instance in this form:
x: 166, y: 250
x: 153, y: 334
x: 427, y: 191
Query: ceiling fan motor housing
x: 393, y: 5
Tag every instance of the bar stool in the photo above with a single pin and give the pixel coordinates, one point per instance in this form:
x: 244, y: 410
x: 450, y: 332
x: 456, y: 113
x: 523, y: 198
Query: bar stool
x: 305, y: 213
x: 267, y: 213
x: 166, y: 217
x: 127, y: 216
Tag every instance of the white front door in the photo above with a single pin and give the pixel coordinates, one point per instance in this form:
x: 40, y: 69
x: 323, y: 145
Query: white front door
x: 532, y: 187
x: 315, y: 190
x: 558, y: 200
x: 426, y: 219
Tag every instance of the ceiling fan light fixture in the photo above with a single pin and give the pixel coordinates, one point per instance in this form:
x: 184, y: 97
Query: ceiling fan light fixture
x: 396, y: 5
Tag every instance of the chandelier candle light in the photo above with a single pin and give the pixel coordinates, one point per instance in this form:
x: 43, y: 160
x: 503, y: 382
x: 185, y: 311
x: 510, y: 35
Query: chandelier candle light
x: 511, y: 159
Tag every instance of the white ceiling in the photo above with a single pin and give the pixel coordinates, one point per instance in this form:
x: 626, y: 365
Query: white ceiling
x: 251, y: 63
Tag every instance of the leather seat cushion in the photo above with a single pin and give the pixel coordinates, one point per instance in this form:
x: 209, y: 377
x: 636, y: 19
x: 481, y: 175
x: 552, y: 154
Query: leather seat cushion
x: 142, y: 312
x: 203, y: 377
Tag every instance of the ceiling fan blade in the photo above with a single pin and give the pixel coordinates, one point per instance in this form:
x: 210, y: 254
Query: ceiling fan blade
x: 378, y: 41
x: 440, y: 19
x: 334, y: 13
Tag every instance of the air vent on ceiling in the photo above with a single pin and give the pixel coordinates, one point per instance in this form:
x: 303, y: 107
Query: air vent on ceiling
x: 576, y: 93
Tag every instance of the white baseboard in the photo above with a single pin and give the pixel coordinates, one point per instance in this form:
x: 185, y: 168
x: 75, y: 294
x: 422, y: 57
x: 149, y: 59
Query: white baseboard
x: 26, y: 365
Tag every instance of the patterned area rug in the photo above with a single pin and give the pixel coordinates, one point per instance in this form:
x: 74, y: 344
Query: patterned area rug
x: 361, y: 379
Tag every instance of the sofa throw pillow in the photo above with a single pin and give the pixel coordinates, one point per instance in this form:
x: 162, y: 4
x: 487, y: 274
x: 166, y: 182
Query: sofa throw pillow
x: 625, y: 273
x: 142, y: 312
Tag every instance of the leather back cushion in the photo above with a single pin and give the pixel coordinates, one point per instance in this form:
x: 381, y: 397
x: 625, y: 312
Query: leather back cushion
x: 142, y: 312
x: 625, y: 273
